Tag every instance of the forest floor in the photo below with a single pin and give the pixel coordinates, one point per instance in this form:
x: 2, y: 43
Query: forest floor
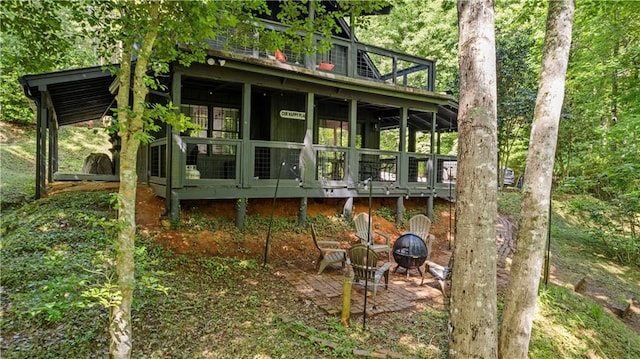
x: 296, y: 249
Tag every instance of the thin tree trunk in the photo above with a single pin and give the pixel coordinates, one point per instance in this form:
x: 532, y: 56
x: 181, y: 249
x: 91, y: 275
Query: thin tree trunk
x: 473, y: 309
x: 130, y: 125
x: 120, y: 316
x: 521, y: 294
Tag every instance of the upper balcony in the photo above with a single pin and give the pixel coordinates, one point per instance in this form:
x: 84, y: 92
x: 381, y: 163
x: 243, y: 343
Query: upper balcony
x: 346, y: 57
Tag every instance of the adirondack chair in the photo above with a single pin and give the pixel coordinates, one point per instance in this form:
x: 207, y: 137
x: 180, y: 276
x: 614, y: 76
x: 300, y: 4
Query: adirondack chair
x: 420, y: 225
x: 368, y: 270
x: 364, y: 231
x: 330, y: 252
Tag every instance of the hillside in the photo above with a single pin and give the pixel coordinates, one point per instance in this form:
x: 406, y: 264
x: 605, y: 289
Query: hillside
x: 204, y: 293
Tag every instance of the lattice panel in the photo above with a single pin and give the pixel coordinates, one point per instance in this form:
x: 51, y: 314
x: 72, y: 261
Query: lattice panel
x: 382, y: 168
x: 330, y: 165
x: 269, y: 161
x: 159, y: 161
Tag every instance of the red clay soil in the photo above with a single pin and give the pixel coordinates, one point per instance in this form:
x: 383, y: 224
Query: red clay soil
x: 283, y: 250
x: 296, y: 246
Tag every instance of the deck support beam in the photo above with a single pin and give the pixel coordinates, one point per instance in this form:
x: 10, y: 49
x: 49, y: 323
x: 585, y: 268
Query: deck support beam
x: 399, y: 210
x: 241, y: 212
x: 41, y: 145
x: 302, y: 212
x: 430, y: 206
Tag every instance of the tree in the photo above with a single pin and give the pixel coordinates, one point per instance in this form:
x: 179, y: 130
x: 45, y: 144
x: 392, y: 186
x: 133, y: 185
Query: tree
x: 45, y: 32
x: 516, y: 93
x: 473, y: 306
x: 521, y: 293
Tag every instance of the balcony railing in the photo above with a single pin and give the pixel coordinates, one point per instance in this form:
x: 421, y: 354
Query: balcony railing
x: 377, y: 165
x: 213, y: 158
x: 330, y: 163
x: 276, y: 161
x: 220, y: 161
x: 352, y: 59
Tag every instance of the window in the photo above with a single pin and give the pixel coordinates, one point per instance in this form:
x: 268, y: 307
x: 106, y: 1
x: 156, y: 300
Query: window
x: 226, y: 123
x: 199, y: 116
x: 214, y: 122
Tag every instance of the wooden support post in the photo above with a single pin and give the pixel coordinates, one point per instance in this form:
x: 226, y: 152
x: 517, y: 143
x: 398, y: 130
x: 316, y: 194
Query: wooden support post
x: 347, y: 210
x: 241, y: 212
x: 302, y: 212
x: 175, y: 207
x: 399, y: 211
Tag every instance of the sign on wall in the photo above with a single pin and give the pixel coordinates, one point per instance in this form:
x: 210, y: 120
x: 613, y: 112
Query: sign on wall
x: 294, y: 115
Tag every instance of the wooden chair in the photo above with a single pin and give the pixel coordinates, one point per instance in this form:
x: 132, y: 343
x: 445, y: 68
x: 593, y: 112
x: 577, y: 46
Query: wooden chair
x: 364, y: 231
x: 420, y: 226
x: 368, y: 270
x: 330, y: 252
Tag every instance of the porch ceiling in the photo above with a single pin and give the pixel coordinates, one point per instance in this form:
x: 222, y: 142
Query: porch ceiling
x: 75, y: 95
x: 446, y: 118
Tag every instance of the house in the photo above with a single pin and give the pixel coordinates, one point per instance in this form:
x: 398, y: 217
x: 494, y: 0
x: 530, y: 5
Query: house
x: 342, y: 124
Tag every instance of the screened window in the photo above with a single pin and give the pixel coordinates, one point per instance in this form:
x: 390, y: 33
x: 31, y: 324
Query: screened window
x: 226, y: 123
x: 214, y: 121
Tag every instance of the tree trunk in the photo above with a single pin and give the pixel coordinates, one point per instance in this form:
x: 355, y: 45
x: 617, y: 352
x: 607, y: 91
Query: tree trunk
x: 131, y: 124
x: 473, y: 313
x: 524, y: 279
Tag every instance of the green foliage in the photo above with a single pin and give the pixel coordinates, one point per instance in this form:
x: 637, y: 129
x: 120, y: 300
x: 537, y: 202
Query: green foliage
x: 58, y: 257
x: 387, y: 213
x: 614, y: 226
x: 510, y: 203
x: 565, y: 329
x: 17, y: 177
x: 47, y: 33
x: 598, y: 139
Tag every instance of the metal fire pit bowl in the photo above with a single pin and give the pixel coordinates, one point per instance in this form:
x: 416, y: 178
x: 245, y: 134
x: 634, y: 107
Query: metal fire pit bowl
x: 409, y: 252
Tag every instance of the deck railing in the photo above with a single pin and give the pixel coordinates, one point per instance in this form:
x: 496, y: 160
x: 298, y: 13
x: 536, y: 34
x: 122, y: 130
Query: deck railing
x: 274, y: 160
x: 213, y: 158
x: 377, y: 165
x: 446, y: 170
x: 420, y: 169
x: 353, y: 59
x: 330, y: 163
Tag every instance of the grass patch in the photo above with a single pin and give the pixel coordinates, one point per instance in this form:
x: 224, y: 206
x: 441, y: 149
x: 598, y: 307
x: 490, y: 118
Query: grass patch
x: 569, y: 325
x: 17, y: 157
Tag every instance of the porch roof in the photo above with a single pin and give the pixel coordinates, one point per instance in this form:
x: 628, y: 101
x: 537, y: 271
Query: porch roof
x: 75, y: 95
x: 84, y: 94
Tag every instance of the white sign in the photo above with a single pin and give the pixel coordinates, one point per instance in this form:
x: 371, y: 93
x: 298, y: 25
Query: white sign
x: 294, y: 115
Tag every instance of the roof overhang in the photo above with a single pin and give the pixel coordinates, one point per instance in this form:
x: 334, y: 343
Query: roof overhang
x: 74, y: 95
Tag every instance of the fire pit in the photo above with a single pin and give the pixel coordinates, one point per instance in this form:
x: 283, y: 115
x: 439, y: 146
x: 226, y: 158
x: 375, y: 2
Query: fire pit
x: 410, y: 252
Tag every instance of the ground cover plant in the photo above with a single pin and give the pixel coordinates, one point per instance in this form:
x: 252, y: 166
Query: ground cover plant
x: 203, y: 292
x: 196, y: 304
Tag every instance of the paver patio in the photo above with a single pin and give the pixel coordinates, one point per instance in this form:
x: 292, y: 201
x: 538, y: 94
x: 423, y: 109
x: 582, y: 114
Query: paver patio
x: 325, y: 289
